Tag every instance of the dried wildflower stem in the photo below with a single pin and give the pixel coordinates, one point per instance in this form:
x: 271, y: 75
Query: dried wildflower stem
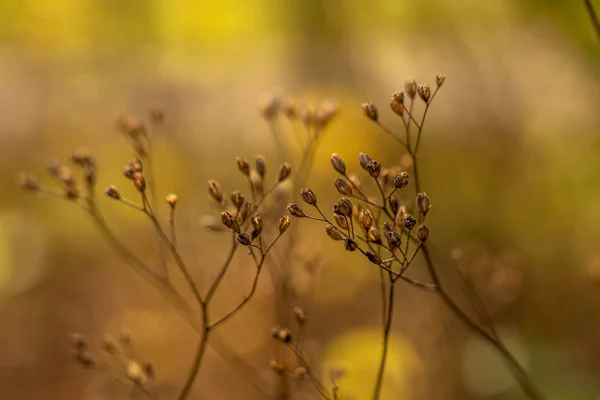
x: 213, y: 287
x: 386, y: 337
x: 317, y: 384
x: 593, y: 17
x: 172, y: 226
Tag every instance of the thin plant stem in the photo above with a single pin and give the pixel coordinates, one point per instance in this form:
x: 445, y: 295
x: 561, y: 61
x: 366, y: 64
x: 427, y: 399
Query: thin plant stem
x: 385, y: 345
x: 593, y: 17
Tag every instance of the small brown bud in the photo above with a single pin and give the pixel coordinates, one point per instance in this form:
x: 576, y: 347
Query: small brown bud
x: 257, y: 222
x: 401, y: 180
x: 129, y: 172
x: 28, y: 182
x: 172, y: 200
x: 364, y: 160
x: 227, y: 219
x: 300, y: 372
x: 243, y: 165
x: 424, y: 92
x: 374, y: 168
x: 387, y: 228
x: 269, y: 107
x: 308, y: 196
x: 394, y: 204
x: 410, y: 87
x: 137, y: 165
x: 260, y: 165
x: 422, y: 232
x: 139, y: 181
x: 300, y: 315
x: 86, y: 359
x: 393, y: 239
x: 285, y: 335
x: 374, y: 258
x: 135, y: 373
x: 350, y: 244
x: 338, y: 163
x: 284, y: 172
x: 343, y: 186
x: 244, y: 239
x: 237, y: 199
x: 277, y: 366
x: 288, y: 108
x: 284, y: 224
x: 246, y: 211
x: 214, y: 190
x: 365, y: 218
x: 334, y: 233
x: 83, y: 158
x: 113, y: 192
x: 397, y: 103
x: 373, y: 235
x: 345, y: 207
x: 341, y: 221
x: 370, y: 111
x: 295, y: 210
x: 423, y: 203
x: 325, y: 113
x: 440, y: 79
x: 409, y: 222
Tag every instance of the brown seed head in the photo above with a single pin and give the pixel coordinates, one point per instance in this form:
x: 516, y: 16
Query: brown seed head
x: 284, y: 172
x: 257, y: 222
x: 401, y: 180
x: 27, y: 182
x: 370, y: 111
x: 244, y: 239
x: 131, y: 126
x: 137, y: 165
x: 269, y: 107
x: 424, y: 92
x: 172, y: 199
x: 306, y: 116
x: 338, y: 163
x: 364, y: 160
x: 350, y: 244
x: 260, y: 165
x: 288, y: 108
x: 300, y: 372
x: 373, y: 235
x: 246, y: 211
x: 83, y: 158
x: 113, y: 192
x: 237, y: 199
x: 227, y: 219
x: 295, y: 210
x: 214, y: 190
x: 410, y: 87
x: 128, y: 172
x: 409, y: 222
x: 440, y: 79
x: 341, y: 221
x: 308, y: 196
x: 394, y: 204
x: 284, y: 224
x: 374, y: 258
x: 422, y: 232
x: 365, y: 218
x: 393, y: 239
x: 397, y: 103
x: 423, y: 203
x: 300, y: 315
x: 276, y: 366
x: 343, y: 186
x: 243, y: 166
x: 374, y: 168
x: 325, y: 113
x: 135, y: 373
x: 334, y: 233
x: 139, y: 181
x: 285, y: 335
x: 345, y: 207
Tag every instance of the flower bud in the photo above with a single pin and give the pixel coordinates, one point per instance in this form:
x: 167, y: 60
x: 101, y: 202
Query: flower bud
x: 424, y: 92
x: 410, y: 87
x: 423, y: 203
x: 422, y: 232
x: 370, y: 111
x: 409, y: 222
x: 300, y: 315
x: 364, y: 160
x: 269, y: 107
x: 284, y: 224
x: 334, y: 233
x: 373, y: 168
x: 284, y: 335
x: 365, y: 218
x: 260, y: 165
x: 237, y: 199
x: 257, y: 223
x: 338, y: 163
x: 397, y: 103
x: 227, y: 219
x: 172, y: 200
x: 214, y: 190
x: 393, y: 239
x: 139, y: 181
x: 284, y: 172
x: 243, y: 165
x: 440, y: 79
x: 295, y: 210
x: 277, y: 366
x: 246, y: 211
x: 401, y: 180
x: 308, y: 196
x: 345, y: 207
x: 341, y: 221
x: 374, y: 258
x: 373, y: 235
x: 394, y: 205
x: 244, y: 239
x: 343, y: 186
x: 137, y: 165
x: 350, y: 244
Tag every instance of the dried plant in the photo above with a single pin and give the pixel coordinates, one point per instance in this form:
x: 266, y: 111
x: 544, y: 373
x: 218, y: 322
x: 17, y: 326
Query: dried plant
x: 392, y: 235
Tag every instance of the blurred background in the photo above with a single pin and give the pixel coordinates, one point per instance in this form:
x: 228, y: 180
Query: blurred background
x: 509, y: 159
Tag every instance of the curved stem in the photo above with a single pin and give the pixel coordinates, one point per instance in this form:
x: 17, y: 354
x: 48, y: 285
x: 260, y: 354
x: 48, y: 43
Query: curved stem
x: 386, y: 338
x: 198, y: 357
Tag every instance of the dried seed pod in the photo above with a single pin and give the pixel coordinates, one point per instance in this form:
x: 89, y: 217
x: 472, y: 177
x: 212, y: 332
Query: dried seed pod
x: 393, y: 239
x: 440, y: 79
x: 364, y: 160
x: 424, y: 92
x: 285, y: 335
x: 374, y: 168
x: 227, y: 219
x: 387, y: 228
x: 410, y: 87
x: 275, y: 331
x: 28, y: 182
x: 300, y: 372
x: 295, y: 210
x: 244, y: 239
x: 284, y: 172
x: 246, y: 211
x: 338, y: 163
x: 334, y: 233
x: 423, y: 203
x: 172, y: 199
x: 135, y: 373
x: 394, y: 204
x: 237, y: 199
x: 341, y: 221
x: 397, y: 103
x: 128, y: 172
x: 85, y: 359
x: 350, y: 244
x: 243, y: 166
x: 308, y: 196
x: 374, y: 258
x: 260, y: 165
x: 401, y: 180
x: 83, y: 158
x: 137, y: 165
x: 422, y: 232
x: 325, y: 113
x: 365, y: 218
x: 269, y: 107
x: 300, y: 315
x: 370, y: 111
x: 345, y: 207
x: 288, y: 108
x: 214, y: 190
x: 139, y: 181
x: 409, y: 222
x: 113, y: 192
x: 373, y: 235
x: 284, y: 224
x: 276, y: 366
x: 343, y: 186
x: 257, y: 223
